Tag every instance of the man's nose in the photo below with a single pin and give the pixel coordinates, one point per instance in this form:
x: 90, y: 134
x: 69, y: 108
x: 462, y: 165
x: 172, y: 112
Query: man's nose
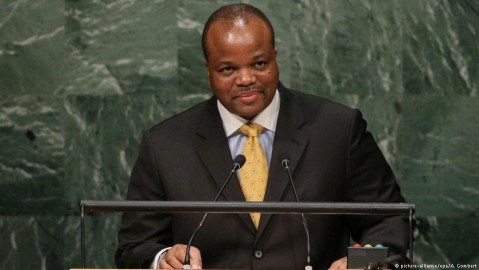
x: 245, y: 77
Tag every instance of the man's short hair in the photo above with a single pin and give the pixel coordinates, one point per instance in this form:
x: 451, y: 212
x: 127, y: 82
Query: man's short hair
x: 229, y: 14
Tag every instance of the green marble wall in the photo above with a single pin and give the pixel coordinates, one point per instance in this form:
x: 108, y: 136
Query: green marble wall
x: 81, y: 79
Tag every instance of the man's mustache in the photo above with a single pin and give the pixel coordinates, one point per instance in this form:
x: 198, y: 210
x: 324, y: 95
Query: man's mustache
x: 249, y: 89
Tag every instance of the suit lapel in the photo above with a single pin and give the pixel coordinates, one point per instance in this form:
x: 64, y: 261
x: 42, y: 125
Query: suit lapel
x: 290, y: 142
x: 212, y: 148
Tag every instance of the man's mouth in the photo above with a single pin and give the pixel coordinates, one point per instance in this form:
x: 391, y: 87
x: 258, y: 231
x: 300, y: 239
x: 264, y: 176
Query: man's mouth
x: 249, y: 96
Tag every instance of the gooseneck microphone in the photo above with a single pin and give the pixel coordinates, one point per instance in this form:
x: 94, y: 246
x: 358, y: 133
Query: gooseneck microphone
x: 238, y: 162
x: 285, y: 163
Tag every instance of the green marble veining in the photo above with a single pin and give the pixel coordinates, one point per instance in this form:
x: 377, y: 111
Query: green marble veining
x: 103, y: 135
x: 438, y: 145
x: 80, y: 80
x: 121, y: 47
x: 31, y: 155
x: 32, y: 47
x: 32, y: 242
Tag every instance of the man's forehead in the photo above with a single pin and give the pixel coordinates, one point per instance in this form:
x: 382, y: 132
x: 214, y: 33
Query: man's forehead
x: 239, y: 22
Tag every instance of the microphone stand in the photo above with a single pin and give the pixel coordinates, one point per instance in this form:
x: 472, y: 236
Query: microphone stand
x: 285, y: 163
x: 238, y: 162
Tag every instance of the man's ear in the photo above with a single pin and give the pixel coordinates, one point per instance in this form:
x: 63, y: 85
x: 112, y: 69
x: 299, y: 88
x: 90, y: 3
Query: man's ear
x: 205, y: 63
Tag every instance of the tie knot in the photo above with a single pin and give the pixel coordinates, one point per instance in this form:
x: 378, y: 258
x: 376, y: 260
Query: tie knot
x: 251, y: 129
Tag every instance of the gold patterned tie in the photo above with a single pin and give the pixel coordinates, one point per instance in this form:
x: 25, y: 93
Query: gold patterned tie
x: 254, y: 173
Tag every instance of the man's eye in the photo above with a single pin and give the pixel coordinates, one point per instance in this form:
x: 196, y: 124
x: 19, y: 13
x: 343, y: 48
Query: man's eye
x: 226, y: 70
x: 260, y: 64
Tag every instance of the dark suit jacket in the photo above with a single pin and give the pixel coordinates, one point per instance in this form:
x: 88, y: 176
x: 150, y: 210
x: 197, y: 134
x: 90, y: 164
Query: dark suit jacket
x: 333, y: 159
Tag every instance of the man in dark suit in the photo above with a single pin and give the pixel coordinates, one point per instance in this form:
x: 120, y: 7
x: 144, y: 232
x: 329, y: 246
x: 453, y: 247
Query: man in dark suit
x: 187, y: 157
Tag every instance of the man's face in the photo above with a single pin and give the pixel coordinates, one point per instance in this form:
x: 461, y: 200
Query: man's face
x: 241, y: 64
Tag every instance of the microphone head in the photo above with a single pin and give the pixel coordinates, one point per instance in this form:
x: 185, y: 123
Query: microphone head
x: 285, y: 162
x: 239, y: 161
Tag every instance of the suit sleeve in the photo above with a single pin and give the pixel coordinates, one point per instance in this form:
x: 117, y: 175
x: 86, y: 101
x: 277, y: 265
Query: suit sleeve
x: 143, y: 234
x: 370, y: 179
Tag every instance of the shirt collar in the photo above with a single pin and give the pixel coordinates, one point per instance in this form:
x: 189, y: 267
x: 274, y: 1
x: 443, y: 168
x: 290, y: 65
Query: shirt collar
x: 267, y: 118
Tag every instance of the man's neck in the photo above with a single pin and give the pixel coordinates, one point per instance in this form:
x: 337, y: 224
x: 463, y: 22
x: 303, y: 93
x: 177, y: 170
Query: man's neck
x: 267, y: 118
